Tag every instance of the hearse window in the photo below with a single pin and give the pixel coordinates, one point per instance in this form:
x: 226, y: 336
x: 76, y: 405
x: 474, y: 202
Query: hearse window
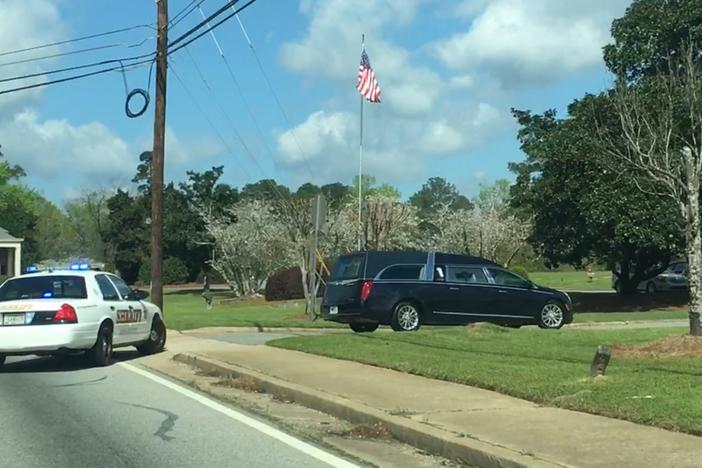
x: 348, y: 268
x: 467, y: 275
x: 402, y: 272
x: 505, y: 278
x: 440, y: 273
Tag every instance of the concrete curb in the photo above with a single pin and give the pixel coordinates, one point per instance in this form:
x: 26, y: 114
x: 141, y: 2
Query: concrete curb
x: 433, y: 440
x: 196, y: 331
x: 622, y: 322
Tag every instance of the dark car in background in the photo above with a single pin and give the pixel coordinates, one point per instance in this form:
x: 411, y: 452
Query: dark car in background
x: 408, y: 289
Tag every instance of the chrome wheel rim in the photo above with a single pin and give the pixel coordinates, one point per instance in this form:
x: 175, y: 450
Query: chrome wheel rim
x: 106, y: 347
x: 407, y: 317
x: 552, y: 315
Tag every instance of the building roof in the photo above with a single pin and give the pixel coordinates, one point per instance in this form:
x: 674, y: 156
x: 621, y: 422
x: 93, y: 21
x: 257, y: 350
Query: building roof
x: 6, y: 237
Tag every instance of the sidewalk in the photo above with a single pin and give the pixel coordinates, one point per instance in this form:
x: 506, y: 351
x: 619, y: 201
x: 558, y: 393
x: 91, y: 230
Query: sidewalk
x: 467, y: 420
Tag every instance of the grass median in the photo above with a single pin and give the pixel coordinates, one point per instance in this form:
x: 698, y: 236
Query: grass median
x: 546, y: 367
x: 187, y: 311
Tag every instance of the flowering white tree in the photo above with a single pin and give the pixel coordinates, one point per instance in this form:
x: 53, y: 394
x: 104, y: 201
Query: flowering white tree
x: 489, y: 232
x: 249, y: 248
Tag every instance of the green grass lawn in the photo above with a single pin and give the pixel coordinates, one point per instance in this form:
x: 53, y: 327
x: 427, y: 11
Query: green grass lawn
x: 186, y: 311
x: 546, y: 367
x: 573, y: 280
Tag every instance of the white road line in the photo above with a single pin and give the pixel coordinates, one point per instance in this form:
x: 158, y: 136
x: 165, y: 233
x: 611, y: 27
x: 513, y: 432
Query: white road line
x: 281, y: 436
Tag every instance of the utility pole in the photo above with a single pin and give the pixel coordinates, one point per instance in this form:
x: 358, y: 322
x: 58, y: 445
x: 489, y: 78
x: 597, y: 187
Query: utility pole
x: 157, y: 161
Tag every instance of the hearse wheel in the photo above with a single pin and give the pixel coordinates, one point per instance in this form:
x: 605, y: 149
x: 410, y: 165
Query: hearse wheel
x: 406, y: 317
x: 552, y: 316
x: 363, y: 327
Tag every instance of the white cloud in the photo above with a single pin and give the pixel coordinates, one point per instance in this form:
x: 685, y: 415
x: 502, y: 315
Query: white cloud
x: 331, y: 49
x: 53, y: 148
x: 531, y: 39
x: 26, y: 23
x: 396, y: 150
x: 181, y: 151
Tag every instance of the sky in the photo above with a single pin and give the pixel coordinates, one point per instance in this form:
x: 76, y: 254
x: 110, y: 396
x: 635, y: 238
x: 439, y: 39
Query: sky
x: 449, y: 72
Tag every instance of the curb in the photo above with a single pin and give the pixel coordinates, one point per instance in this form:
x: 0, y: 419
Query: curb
x: 430, y: 439
x: 621, y: 322
x: 195, y: 331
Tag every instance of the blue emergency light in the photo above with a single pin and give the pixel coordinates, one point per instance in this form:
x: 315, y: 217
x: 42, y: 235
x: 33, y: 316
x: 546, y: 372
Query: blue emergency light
x: 32, y: 269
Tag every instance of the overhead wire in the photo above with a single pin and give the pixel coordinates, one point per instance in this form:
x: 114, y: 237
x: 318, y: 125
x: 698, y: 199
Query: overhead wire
x: 216, y: 25
x: 185, y: 12
x: 77, y: 39
x: 239, y: 90
x: 281, y: 108
x: 75, y: 77
x: 192, y: 98
x: 121, y: 61
x: 75, y: 52
x: 228, y: 118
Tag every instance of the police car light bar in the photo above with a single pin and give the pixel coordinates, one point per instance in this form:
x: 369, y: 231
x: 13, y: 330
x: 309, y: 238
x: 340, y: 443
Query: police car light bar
x: 32, y: 269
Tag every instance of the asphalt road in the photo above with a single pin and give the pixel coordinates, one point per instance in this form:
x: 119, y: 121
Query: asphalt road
x: 58, y: 413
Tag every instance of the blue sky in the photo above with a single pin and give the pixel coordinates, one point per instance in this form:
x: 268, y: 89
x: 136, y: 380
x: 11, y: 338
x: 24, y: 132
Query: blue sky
x: 449, y: 73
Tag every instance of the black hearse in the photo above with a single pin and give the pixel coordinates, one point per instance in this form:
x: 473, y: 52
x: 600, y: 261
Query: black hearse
x: 408, y: 289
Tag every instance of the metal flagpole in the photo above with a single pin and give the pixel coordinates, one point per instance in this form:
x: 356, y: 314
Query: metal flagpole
x: 360, y: 164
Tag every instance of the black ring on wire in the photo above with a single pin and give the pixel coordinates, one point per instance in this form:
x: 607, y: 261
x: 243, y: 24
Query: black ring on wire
x: 141, y: 92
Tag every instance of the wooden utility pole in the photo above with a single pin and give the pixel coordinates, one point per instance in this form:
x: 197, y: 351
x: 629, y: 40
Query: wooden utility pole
x: 157, y: 160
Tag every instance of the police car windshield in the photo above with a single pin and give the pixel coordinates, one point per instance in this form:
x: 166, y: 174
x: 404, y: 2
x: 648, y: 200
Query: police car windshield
x: 43, y: 287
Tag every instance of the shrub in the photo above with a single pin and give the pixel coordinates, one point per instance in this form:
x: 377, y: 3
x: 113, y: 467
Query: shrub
x: 520, y: 270
x: 174, y: 271
x: 286, y: 285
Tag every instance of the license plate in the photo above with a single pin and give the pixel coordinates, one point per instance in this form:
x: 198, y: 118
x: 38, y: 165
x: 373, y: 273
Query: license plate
x: 13, y: 319
x: 333, y: 310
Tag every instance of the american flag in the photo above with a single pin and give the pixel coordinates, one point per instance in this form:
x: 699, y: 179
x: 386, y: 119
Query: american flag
x: 367, y: 84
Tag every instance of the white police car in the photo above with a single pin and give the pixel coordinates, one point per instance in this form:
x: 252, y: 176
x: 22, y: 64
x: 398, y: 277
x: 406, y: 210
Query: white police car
x: 76, y: 310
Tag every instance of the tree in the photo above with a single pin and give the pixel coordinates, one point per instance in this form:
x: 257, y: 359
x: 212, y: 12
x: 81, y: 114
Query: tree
x: 307, y: 190
x: 18, y: 214
x: 203, y: 190
x: 251, y: 248
x: 648, y: 33
x: 435, y: 194
x: 55, y: 236
x: 656, y: 59
x: 89, y: 215
x: 127, y: 234
x: 661, y: 122
x: 582, y: 206
x: 337, y: 194
x: 266, y: 189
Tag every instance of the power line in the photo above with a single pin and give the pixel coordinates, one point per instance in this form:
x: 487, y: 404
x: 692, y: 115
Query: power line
x: 275, y: 95
x: 78, y: 67
x: 216, y: 25
x: 178, y: 18
x: 226, y: 115
x: 74, y: 77
x: 75, y: 52
x: 238, y: 88
x: 134, y: 59
x: 77, y: 39
x: 207, y: 119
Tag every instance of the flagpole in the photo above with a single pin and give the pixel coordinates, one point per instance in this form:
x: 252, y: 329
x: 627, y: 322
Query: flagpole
x: 360, y: 166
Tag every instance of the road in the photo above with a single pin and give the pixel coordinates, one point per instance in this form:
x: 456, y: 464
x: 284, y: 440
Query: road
x: 58, y: 413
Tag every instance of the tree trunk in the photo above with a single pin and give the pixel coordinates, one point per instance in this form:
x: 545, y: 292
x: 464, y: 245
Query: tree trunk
x: 694, y: 257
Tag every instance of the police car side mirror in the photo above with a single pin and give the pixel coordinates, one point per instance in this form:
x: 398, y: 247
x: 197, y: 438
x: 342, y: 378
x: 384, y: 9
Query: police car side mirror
x: 138, y: 295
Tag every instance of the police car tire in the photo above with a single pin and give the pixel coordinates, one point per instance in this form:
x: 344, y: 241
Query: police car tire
x: 152, y: 346
x: 101, y: 353
x: 2, y: 360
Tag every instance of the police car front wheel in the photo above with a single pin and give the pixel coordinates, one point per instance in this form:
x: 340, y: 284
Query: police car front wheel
x: 2, y: 360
